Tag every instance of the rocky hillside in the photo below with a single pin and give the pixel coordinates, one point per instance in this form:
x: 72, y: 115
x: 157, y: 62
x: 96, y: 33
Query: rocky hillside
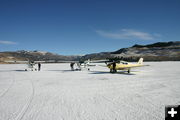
x: 161, y: 51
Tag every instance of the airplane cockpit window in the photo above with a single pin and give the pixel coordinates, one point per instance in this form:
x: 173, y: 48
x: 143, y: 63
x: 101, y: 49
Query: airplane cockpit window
x: 125, y: 63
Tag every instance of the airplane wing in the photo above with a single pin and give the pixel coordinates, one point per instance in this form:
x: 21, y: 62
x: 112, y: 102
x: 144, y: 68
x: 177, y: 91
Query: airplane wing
x: 98, y: 61
x: 61, y: 61
x: 40, y: 61
x: 14, y: 61
x: 134, y: 66
x: 103, y: 65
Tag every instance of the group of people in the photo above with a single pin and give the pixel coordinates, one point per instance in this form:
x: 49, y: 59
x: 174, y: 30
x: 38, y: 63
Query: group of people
x: 79, y: 68
x: 71, y: 65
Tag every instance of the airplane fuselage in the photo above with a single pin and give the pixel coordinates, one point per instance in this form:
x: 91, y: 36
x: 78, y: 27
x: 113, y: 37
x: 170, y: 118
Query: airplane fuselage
x: 123, y: 66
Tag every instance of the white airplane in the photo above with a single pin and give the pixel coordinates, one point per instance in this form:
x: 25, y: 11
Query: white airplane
x: 80, y: 65
x: 30, y: 64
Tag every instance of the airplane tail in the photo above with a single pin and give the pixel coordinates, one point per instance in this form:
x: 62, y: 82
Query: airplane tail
x: 140, y: 62
x: 88, y: 62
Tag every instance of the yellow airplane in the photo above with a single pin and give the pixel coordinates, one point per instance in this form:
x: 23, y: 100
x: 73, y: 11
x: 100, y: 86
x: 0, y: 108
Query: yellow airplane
x: 123, y: 65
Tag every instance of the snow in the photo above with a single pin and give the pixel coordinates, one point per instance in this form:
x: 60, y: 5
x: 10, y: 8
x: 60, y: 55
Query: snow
x: 56, y: 93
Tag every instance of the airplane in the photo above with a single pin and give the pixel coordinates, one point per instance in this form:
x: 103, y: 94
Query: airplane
x: 123, y: 65
x: 30, y: 64
x: 80, y: 65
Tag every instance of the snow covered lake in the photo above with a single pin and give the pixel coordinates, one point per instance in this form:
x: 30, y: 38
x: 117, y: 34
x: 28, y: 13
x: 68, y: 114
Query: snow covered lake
x: 56, y: 93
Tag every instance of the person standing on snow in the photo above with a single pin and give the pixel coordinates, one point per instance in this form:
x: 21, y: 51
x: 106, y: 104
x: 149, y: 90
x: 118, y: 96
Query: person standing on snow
x: 39, y: 66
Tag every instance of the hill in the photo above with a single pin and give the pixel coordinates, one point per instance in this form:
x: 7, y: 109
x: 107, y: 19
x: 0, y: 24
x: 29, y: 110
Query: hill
x: 160, y: 51
x: 33, y: 55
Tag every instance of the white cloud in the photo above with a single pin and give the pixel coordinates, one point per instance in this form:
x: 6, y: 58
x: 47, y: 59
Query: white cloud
x: 127, y: 34
x: 7, y: 42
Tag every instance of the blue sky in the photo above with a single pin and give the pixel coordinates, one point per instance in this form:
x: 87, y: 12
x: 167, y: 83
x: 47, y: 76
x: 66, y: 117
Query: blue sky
x: 86, y: 26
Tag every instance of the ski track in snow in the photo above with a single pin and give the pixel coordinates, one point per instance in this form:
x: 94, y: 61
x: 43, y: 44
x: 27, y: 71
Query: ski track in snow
x: 9, y: 87
x: 26, y: 106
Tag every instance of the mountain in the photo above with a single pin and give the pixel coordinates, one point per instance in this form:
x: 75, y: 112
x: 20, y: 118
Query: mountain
x: 160, y: 51
x: 33, y: 55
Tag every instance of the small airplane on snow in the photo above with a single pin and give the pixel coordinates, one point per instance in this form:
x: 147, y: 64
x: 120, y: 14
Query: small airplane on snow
x: 30, y: 64
x: 123, y: 65
x: 80, y: 65
x: 114, y: 66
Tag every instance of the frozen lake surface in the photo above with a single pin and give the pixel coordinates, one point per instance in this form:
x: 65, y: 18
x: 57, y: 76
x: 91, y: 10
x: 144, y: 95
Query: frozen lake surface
x: 56, y: 93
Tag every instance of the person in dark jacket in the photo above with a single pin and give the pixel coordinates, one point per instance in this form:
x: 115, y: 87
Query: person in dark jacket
x: 114, y: 67
x: 39, y: 66
x: 72, y: 66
